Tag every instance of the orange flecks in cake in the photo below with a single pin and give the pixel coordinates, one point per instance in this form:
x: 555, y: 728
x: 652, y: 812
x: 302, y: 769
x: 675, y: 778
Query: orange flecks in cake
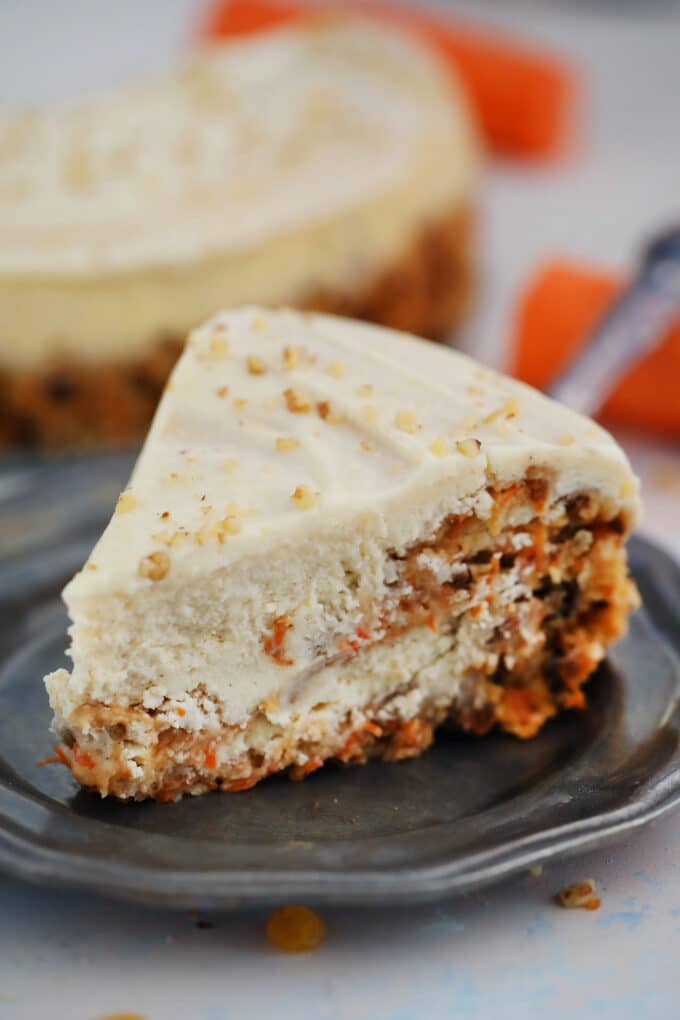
x: 155, y: 566
x: 298, y: 772
x: 210, y: 757
x: 239, y: 785
x: 580, y: 896
x: 295, y: 403
x: 82, y: 758
x: 274, y: 641
x: 432, y: 623
x: 181, y: 712
x: 295, y: 929
x: 126, y: 503
x: 356, y: 738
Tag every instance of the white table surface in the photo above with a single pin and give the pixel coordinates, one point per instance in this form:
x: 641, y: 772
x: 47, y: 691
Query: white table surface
x: 508, y: 952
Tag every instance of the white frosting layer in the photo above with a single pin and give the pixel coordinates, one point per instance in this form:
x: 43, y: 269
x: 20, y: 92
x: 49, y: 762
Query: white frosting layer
x: 301, y: 160
x: 292, y: 457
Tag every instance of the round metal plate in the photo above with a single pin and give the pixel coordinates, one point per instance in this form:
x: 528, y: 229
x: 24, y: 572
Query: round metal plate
x: 468, y: 812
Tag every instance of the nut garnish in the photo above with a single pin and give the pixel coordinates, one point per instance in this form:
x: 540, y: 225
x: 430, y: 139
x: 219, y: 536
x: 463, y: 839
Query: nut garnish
x: 126, y: 503
x: 256, y: 365
x: 439, y: 448
x: 580, y: 895
x: 304, y: 497
x: 285, y: 443
x: 291, y: 358
x: 219, y: 347
x: 406, y: 421
x: 468, y: 447
x: 337, y: 369
x: 155, y: 566
x: 295, y: 403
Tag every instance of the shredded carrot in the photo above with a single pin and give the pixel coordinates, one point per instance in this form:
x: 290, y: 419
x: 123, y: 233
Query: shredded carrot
x: 539, y: 538
x: 273, y: 643
x: 58, y: 758
x: 312, y: 764
x: 362, y: 633
x: 432, y: 623
x: 524, y: 98
x: 180, y: 711
x: 241, y: 784
x: 82, y: 757
x: 211, y: 756
x: 356, y: 735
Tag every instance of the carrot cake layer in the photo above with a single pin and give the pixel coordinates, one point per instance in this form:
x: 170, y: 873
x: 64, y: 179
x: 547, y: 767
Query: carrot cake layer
x: 337, y: 538
x: 330, y: 164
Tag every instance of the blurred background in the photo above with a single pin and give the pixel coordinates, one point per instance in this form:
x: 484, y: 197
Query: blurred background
x: 560, y: 226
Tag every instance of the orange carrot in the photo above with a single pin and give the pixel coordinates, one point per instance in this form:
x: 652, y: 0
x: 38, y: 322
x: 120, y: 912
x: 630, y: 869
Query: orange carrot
x: 556, y: 312
x: 82, y: 757
x: 211, y: 756
x: 523, y: 97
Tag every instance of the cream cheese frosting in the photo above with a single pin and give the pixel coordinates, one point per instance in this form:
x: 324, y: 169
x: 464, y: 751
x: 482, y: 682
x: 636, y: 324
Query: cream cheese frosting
x: 303, y: 159
x: 289, y: 453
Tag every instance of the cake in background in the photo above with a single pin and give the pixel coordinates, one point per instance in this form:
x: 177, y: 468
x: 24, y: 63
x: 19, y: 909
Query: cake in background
x: 329, y: 165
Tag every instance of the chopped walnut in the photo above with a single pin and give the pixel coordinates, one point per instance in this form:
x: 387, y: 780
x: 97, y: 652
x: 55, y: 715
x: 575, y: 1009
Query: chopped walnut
x: 256, y: 365
x: 126, y: 503
x: 406, y: 421
x: 468, y: 447
x: 219, y: 348
x: 580, y: 896
x: 155, y: 566
x: 439, y: 448
x: 285, y: 443
x: 295, y: 403
x: 337, y: 369
x: 295, y: 929
x: 304, y: 497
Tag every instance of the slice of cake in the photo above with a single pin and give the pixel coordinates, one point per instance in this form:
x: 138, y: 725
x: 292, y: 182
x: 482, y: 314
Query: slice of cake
x: 336, y: 538
x: 331, y: 164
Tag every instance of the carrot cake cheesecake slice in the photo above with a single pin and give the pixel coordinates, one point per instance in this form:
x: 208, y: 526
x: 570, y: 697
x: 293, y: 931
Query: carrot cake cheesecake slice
x: 338, y: 537
x: 331, y: 164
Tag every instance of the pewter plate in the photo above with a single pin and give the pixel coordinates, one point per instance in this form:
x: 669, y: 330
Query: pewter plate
x: 467, y: 813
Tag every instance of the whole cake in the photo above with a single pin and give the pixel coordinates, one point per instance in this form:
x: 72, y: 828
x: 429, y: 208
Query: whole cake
x: 331, y: 164
x: 336, y: 538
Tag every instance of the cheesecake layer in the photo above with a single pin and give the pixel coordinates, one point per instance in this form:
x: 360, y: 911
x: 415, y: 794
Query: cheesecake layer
x: 334, y: 527
x: 75, y: 403
x: 306, y: 161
